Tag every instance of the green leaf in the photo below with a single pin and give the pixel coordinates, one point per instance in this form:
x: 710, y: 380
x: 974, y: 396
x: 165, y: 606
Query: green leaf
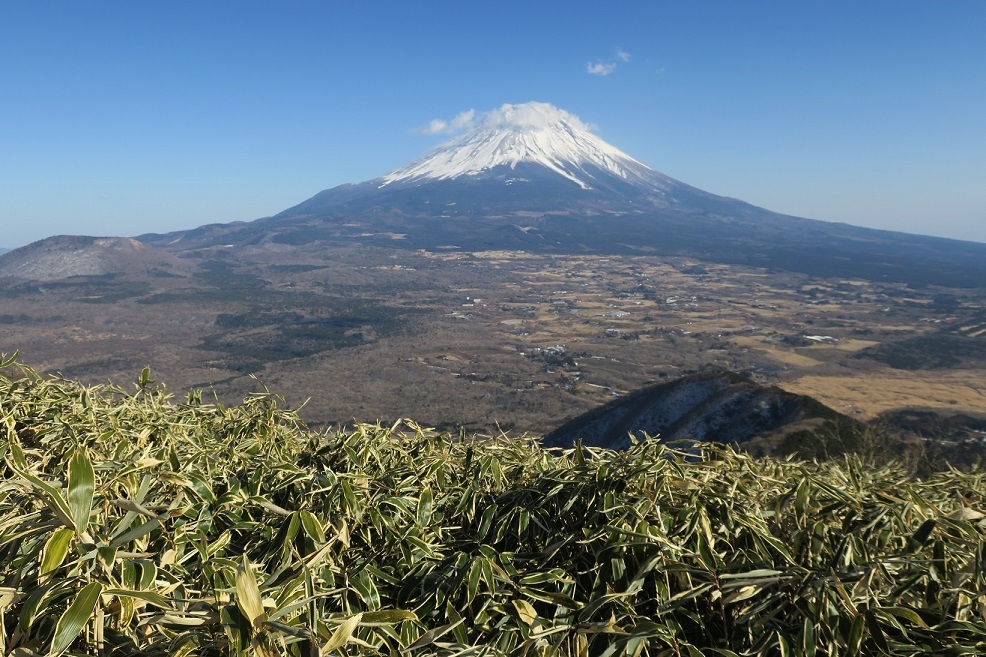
x: 425, y: 503
x: 55, y: 550
x: 525, y: 612
x: 107, y: 555
x: 922, y: 535
x: 81, y: 485
x: 149, y: 597
x: 558, y: 575
x: 342, y: 634
x: 363, y: 583
x: 145, y: 377
x: 75, y: 618
x: 294, y: 526
x: 347, y: 493
x: 876, y: 632
x: 53, y: 498
x: 695, y: 652
x: 236, y: 627
x: 783, y: 645
x: 136, y: 533
x: 32, y: 605
x: 248, y: 594
x: 148, y: 574
x: 902, y: 612
x: 7, y: 361
x: 808, y: 646
x: 312, y: 527
x: 432, y: 635
x: 855, y: 635
x: 801, y: 497
x: 17, y: 453
x: 487, y: 519
x: 475, y: 573
x: 387, y: 617
x: 290, y: 630
x: 753, y: 574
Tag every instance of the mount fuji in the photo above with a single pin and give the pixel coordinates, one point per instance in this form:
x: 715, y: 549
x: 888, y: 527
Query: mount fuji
x: 534, y: 177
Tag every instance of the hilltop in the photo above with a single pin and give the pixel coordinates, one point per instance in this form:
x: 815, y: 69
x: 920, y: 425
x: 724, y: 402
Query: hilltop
x: 67, y: 256
x: 711, y: 406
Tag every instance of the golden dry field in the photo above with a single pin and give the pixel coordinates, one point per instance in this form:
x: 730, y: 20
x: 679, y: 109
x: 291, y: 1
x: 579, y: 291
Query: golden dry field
x: 869, y: 395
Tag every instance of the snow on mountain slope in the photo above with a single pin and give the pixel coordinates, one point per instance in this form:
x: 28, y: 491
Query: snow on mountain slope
x: 536, y: 133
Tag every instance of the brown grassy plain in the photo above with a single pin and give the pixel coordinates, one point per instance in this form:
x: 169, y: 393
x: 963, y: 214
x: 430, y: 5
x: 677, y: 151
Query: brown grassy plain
x: 484, y: 339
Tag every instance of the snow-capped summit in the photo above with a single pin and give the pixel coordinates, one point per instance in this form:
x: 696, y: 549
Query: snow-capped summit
x: 528, y: 133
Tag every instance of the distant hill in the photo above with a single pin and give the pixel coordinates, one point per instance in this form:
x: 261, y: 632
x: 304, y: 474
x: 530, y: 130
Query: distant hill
x: 66, y: 256
x: 710, y: 406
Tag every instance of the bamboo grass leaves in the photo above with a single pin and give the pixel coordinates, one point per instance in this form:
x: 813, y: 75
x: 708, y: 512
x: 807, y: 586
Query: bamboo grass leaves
x: 131, y: 525
x: 81, y: 487
x: 248, y: 594
x: 75, y: 618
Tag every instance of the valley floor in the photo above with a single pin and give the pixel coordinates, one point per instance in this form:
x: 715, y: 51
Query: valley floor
x: 504, y: 339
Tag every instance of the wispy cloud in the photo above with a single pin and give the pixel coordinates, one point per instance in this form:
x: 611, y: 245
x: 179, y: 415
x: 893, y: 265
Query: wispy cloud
x: 607, y: 67
x: 461, y: 121
x: 600, y: 68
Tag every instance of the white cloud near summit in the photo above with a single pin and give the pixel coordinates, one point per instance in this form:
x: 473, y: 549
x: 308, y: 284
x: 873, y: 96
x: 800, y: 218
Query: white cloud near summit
x: 461, y: 121
x: 531, y: 114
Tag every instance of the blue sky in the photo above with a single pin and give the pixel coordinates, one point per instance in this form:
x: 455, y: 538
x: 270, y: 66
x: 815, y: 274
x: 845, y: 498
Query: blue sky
x: 119, y: 118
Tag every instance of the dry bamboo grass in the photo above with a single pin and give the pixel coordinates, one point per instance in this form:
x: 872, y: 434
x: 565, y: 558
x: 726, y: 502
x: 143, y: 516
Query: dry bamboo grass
x: 130, y: 524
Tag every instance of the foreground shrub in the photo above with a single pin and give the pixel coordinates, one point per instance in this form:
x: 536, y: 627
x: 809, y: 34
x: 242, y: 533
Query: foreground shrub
x: 130, y: 524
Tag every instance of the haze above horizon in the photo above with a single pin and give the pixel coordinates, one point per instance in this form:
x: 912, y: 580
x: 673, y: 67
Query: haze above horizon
x: 126, y: 118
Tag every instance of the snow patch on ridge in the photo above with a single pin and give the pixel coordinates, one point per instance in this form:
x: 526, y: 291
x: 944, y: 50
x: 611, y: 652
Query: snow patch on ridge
x: 533, y: 132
